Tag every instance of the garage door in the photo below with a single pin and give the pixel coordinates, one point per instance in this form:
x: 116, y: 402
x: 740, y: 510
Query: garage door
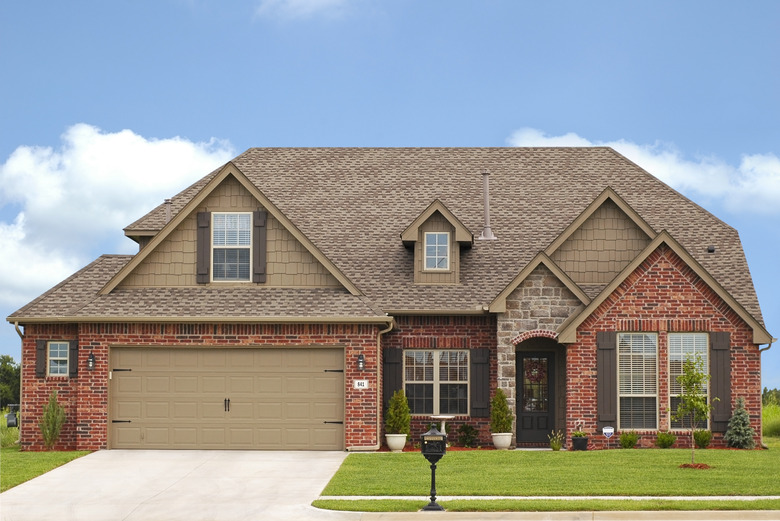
x: 285, y: 399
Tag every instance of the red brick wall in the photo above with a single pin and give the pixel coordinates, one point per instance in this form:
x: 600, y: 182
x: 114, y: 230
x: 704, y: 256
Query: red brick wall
x: 447, y: 332
x: 662, y: 295
x: 85, y: 398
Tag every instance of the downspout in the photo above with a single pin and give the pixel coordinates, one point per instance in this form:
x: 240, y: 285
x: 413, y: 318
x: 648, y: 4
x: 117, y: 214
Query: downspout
x: 767, y: 348
x: 21, y: 381
x: 378, y: 445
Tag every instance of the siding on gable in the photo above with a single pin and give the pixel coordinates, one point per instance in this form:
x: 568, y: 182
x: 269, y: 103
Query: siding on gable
x: 605, y: 243
x: 173, y: 262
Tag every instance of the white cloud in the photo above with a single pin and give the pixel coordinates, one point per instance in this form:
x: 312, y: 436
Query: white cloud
x: 752, y: 186
x: 61, y: 207
x: 299, y: 8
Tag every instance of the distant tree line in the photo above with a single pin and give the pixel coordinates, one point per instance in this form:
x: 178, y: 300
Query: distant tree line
x: 10, y: 381
x: 770, y: 396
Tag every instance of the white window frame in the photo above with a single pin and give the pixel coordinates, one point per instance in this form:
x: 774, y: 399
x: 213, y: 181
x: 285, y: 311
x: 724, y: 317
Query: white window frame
x: 681, y: 347
x: 637, y: 377
x: 237, y: 244
x: 54, y: 359
x: 434, y: 377
x: 436, y: 257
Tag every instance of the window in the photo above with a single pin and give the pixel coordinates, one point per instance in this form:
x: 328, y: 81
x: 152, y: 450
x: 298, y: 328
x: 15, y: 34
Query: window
x: 58, y: 358
x: 231, y: 246
x: 437, y: 382
x: 683, y: 346
x: 638, y: 381
x: 437, y: 251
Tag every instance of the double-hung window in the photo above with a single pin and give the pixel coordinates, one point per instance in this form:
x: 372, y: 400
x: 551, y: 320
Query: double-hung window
x: 58, y: 358
x: 638, y: 380
x: 231, y: 246
x: 437, y: 381
x: 682, y: 347
x: 437, y: 251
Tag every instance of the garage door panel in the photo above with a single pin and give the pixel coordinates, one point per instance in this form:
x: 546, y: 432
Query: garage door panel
x: 279, y: 398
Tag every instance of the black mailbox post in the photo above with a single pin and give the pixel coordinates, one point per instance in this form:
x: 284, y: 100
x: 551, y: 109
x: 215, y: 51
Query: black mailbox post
x: 434, y: 446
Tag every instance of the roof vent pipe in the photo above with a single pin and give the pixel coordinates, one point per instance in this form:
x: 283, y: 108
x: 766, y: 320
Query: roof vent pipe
x: 168, y: 210
x: 487, y: 233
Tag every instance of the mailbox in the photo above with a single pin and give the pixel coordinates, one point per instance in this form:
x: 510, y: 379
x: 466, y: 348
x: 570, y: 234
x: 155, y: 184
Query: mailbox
x: 434, y: 445
x: 11, y: 420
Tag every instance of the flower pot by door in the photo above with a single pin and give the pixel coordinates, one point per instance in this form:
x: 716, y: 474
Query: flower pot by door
x: 502, y: 440
x: 396, y: 442
x: 579, y: 443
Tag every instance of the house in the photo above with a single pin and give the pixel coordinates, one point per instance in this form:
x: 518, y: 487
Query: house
x: 277, y: 302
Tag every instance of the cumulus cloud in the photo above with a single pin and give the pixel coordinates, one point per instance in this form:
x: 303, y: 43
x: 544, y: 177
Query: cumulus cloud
x: 61, y: 207
x: 751, y: 186
x: 298, y: 8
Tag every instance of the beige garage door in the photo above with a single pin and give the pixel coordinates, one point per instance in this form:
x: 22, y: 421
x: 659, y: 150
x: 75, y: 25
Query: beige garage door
x: 285, y: 399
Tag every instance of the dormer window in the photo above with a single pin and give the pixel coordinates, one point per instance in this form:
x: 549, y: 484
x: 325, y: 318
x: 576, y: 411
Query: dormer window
x: 437, y: 251
x: 231, y: 246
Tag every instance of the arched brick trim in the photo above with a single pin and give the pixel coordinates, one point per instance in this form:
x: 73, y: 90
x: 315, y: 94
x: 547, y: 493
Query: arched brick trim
x: 534, y: 333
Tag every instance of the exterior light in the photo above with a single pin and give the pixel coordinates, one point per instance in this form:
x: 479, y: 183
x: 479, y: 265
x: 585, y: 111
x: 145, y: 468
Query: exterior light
x: 361, y: 362
x: 91, y: 362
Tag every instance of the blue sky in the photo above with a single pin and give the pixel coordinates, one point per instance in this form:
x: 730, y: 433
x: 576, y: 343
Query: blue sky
x: 109, y: 107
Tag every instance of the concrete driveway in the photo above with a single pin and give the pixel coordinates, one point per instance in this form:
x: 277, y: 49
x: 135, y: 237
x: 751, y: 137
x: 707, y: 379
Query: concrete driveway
x: 178, y: 485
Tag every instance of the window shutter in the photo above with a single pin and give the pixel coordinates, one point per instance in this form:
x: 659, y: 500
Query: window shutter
x: 392, y: 374
x: 606, y: 372
x: 259, y: 246
x: 203, y: 255
x: 73, y: 359
x: 720, y: 381
x: 40, y: 358
x: 480, y: 383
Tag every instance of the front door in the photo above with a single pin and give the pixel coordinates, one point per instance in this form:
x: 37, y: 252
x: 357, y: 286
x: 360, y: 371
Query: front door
x: 535, y: 406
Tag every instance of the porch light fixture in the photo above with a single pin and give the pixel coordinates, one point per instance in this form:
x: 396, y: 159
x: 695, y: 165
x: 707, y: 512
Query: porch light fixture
x: 361, y: 362
x: 91, y: 362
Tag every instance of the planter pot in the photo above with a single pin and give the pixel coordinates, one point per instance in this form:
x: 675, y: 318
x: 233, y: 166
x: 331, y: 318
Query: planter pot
x: 579, y: 443
x: 396, y: 442
x: 502, y: 440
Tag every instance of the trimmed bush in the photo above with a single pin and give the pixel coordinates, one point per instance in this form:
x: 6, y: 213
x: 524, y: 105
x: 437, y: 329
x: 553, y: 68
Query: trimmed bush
x: 501, y: 416
x: 629, y: 439
x: 398, y: 419
x: 739, y: 433
x: 665, y: 439
x: 702, y: 438
x: 468, y: 435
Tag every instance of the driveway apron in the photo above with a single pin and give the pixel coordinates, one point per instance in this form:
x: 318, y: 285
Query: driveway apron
x: 177, y: 485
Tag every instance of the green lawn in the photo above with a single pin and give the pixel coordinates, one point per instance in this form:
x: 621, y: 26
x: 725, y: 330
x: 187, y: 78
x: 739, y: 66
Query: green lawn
x: 17, y: 467
x: 616, y: 472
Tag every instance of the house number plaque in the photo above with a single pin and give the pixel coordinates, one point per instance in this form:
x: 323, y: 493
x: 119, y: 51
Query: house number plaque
x: 361, y: 384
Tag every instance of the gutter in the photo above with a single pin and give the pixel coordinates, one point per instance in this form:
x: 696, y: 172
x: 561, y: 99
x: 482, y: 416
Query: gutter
x: 208, y: 320
x: 390, y: 326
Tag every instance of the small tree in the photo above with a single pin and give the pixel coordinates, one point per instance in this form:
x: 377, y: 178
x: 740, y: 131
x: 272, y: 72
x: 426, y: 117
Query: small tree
x: 51, y: 421
x: 398, y: 419
x: 501, y: 416
x: 739, y: 433
x: 693, y: 407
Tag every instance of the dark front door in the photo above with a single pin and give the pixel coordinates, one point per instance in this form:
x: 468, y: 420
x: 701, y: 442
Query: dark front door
x: 535, y: 409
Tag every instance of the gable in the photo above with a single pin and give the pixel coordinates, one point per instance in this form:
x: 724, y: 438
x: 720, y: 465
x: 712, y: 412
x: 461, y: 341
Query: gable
x: 173, y: 261
x: 601, y: 245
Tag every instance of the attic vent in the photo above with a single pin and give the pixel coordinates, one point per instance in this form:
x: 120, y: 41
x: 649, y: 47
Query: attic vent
x: 487, y: 233
x: 168, y: 210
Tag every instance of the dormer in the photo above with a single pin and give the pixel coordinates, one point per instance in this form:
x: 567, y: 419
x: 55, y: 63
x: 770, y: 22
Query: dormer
x: 437, y: 237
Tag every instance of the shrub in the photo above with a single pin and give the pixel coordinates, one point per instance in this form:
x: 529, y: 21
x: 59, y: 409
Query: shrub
x: 52, y: 421
x: 702, y: 438
x: 771, y: 419
x: 665, y: 439
x: 739, y: 433
x: 467, y: 435
x: 398, y: 418
x: 556, y: 440
x: 629, y: 439
x: 501, y: 416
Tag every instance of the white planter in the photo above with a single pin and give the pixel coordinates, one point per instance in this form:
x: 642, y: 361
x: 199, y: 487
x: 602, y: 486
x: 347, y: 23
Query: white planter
x: 502, y: 440
x: 396, y: 442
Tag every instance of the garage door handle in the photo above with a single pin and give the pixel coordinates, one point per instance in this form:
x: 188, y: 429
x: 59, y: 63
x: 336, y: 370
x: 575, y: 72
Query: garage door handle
x: 340, y: 423
x: 227, y: 404
x: 334, y: 370
x: 120, y: 370
x: 121, y: 421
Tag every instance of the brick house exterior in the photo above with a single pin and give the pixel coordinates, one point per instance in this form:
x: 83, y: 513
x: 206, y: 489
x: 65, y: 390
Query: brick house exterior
x: 279, y: 301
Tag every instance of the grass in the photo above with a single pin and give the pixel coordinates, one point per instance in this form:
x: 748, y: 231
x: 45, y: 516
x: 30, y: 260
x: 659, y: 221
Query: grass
x: 771, y: 420
x: 616, y: 472
x: 18, y: 467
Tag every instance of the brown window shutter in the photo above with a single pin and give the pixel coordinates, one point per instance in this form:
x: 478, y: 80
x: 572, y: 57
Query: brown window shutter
x: 480, y: 382
x: 259, y: 246
x: 203, y: 255
x: 606, y: 372
x: 392, y: 374
x: 73, y: 359
x: 720, y: 380
x: 40, y: 358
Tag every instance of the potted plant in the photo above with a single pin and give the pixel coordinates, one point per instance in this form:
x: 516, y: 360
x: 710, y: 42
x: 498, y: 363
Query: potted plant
x: 501, y: 419
x: 397, y: 421
x: 579, y: 438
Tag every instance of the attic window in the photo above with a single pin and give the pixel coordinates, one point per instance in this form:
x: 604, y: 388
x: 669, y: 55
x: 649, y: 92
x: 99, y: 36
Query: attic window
x: 437, y: 251
x: 231, y: 246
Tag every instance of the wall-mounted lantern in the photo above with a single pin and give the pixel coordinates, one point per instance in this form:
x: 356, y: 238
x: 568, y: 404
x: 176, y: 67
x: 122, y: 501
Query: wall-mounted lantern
x: 91, y: 361
x: 361, y: 362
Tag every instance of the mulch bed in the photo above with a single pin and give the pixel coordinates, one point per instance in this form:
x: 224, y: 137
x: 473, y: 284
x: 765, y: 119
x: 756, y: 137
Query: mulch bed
x: 702, y: 466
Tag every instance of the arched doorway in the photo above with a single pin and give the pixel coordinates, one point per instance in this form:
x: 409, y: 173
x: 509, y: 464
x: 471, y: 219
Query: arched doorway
x: 541, y: 387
